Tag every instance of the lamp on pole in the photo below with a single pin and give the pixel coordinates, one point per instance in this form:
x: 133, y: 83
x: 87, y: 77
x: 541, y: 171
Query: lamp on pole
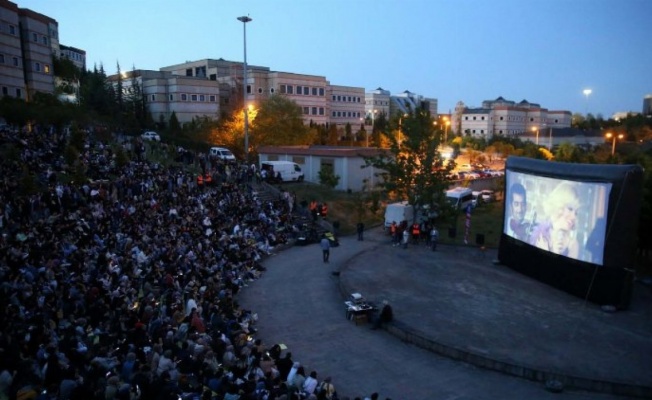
x: 587, y: 92
x: 446, y: 125
x: 244, y: 20
x: 535, y: 129
x: 613, y: 137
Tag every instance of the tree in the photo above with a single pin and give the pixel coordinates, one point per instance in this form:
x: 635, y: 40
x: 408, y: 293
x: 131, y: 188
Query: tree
x: 416, y: 171
x: 327, y: 176
x: 333, y: 135
x: 279, y: 121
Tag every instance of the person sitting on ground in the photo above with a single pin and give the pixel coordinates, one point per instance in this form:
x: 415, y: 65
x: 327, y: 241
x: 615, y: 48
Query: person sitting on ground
x: 386, y: 315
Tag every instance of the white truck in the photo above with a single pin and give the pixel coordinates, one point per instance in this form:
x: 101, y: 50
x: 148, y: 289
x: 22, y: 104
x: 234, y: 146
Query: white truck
x: 398, y: 212
x: 287, y: 170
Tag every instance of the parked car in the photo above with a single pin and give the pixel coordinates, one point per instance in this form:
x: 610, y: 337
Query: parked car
x: 151, y: 135
x: 488, y: 195
x: 477, y: 195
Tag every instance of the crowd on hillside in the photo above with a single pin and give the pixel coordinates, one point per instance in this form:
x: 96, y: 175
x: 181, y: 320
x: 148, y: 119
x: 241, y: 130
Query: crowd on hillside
x: 124, y: 286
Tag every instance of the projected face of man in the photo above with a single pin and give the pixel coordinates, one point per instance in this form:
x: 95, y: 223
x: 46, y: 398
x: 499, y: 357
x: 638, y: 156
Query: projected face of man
x: 518, y: 207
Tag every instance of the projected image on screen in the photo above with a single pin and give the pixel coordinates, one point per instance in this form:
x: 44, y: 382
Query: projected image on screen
x: 560, y: 216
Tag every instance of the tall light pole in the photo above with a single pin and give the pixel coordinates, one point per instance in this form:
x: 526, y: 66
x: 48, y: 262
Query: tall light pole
x: 535, y: 129
x: 446, y: 124
x: 244, y: 20
x: 613, y: 138
x: 587, y: 92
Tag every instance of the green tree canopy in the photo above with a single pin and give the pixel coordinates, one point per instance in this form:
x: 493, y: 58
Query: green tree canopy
x: 415, y: 171
x: 279, y: 121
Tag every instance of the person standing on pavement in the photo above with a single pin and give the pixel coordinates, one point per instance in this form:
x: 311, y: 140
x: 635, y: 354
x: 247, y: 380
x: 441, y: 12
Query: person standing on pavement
x: 360, y: 230
x: 434, y: 237
x: 406, y: 237
x: 325, y: 248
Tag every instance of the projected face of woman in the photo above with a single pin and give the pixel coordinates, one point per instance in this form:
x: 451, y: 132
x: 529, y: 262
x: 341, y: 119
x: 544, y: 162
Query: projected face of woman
x: 563, y: 220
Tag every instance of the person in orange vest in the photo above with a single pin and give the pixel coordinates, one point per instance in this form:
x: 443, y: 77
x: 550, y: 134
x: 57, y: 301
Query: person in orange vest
x: 313, y: 209
x: 208, y: 179
x: 324, y: 210
x: 416, y: 232
x: 200, y: 182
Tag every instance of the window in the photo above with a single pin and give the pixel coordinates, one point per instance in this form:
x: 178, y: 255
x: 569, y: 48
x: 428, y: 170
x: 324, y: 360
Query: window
x: 321, y: 112
x: 171, y: 97
x: 306, y: 90
x: 290, y: 89
x: 321, y: 91
x: 271, y: 90
x: 44, y: 40
x: 299, y: 160
x: 19, y: 93
x: 213, y: 77
x: 482, y: 118
x: 306, y: 110
x: 531, y: 119
x: 202, y: 97
x: 37, y: 67
x: 474, y: 118
x: 349, y: 99
x: 193, y: 97
x: 152, y: 97
x: 501, y: 118
x: 184, y: 97
x: 212, y: 98
x: 188, y: 71
x: 5, y: 91
x: 34, y: 37
x: 333, y: 114
x: 46, y: 68
x: 299, y: 90
x: 339, y: 98
x: 248, y: 89
x: 314, y: 111
x: 556, y: 121
x: 2, y: 58
x: 283, y: 89
x: 260, y: 90
x: 314, y: 91
x: 466, y: 118
x: 12, y: 30
x: 334, y: 97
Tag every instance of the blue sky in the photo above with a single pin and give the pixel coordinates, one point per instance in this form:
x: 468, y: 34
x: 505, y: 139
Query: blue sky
x: 543, y: 51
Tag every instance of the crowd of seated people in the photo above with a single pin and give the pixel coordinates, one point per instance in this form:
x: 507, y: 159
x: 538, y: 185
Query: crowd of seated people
x: 124, y: 285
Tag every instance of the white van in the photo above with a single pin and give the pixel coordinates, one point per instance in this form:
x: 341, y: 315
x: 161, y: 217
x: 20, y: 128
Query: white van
x: 221, y: 152
x: 289, y: 170
x: 460, y: 197
x: 398, y: 212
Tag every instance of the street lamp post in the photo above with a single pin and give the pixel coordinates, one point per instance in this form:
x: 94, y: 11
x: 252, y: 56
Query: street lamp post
x: 244, y: 20
x: 535, y: 129
x: 613, y: 137
x: 587, y: 92
x: 447, y: 123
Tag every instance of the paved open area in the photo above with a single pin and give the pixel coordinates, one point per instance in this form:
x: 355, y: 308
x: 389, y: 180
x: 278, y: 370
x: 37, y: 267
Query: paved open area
x: 459, y: 300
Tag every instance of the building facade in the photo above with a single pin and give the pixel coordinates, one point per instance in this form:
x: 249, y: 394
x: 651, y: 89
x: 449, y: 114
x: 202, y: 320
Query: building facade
x: 647, y: 105
x: 164, y: 93
x: 505, y: 117
x: 29, y: 41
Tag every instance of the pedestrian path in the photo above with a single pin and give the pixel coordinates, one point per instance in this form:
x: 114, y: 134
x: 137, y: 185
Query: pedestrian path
x: 456, y: 298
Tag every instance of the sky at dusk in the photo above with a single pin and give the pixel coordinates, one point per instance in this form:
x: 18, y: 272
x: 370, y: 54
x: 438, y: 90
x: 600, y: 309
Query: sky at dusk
x: 543, y: 51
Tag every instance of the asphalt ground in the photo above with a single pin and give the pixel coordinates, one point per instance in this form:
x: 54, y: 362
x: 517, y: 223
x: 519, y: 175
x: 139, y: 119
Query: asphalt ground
x: 455, y: 297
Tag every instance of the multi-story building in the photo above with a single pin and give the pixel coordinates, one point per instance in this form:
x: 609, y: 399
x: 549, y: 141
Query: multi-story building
x: 28, y: 43
x: 165, y: 93
x: 75, y: 55
x: 407, y: 101
x: 347, y: 106
x: 647, y: 105
x: 376, y: 104
x: 505, y: 117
